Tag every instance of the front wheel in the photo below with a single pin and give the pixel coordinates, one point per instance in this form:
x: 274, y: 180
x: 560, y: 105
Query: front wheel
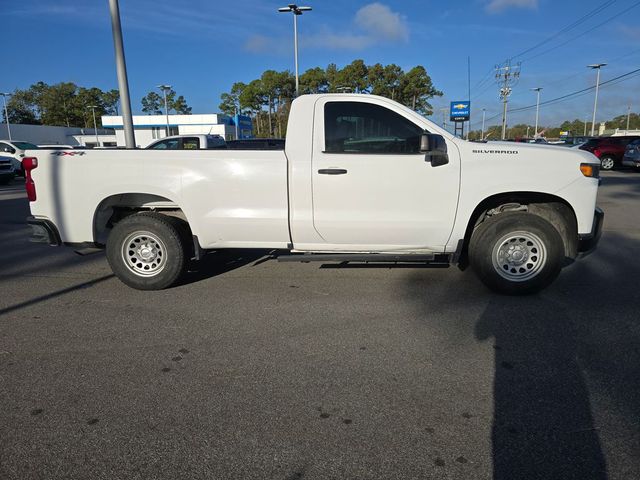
x: 607, y: 163
x: 516, y: 253
x: 147, y: 251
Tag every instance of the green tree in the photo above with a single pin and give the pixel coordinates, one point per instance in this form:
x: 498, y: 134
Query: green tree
x: 353, y: 77
x: 152, y: 104
x: 21, y: 108
x: 385, y: 80
x: 314, y: 80
x: 231, y: 101
x: 416, y: 89
x: 110, y: 101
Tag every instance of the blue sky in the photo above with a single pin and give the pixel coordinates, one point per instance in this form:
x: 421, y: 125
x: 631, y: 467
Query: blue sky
x: 201, y: 47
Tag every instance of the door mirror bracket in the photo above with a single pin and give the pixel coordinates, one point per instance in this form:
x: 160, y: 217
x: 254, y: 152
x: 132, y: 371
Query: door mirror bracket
x: 435, y: 149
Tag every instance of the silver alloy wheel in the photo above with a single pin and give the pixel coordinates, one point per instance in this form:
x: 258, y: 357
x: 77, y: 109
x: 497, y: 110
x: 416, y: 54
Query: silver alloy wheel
x: 519, y: 256
x: 144, y: 253
x: 607, y: 163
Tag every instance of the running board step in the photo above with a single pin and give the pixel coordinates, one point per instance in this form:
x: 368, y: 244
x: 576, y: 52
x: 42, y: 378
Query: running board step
x: 364, y: 258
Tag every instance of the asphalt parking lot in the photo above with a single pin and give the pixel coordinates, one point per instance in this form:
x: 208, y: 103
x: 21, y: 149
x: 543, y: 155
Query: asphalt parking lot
x: 264, y: 370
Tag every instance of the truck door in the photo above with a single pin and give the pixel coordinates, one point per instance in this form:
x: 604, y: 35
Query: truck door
x: 371, y: 186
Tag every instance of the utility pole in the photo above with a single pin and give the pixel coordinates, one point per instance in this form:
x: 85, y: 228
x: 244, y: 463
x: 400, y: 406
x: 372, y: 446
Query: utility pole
x: 165, y: 89
x: 595, y: 66
x: 296, y: 10
x: 585, y: 128
x: 484, y: 111
x: 507, y: 76
x: 628, y: 118
x: 6, y: 113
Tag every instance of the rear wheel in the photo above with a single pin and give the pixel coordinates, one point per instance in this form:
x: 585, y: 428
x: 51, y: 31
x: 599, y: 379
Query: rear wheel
x: 607, y: 162
x: 516, y: 253
x: 147, y: 251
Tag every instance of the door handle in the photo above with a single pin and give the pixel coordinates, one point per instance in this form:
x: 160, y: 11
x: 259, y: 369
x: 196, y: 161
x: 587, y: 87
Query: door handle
x: 332, y: 171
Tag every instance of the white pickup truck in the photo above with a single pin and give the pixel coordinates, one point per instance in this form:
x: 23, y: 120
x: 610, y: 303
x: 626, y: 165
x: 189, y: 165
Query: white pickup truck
x: 361, y: 178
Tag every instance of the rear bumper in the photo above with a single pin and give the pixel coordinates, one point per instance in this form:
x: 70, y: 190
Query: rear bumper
x: 588, y: 242
x: 43, y: 231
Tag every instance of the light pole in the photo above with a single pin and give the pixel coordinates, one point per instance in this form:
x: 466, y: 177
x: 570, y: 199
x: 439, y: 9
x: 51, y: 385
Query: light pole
x: 95, y: 124
x: 165, y: 89
x: 484, y: 111
x: 596, y: 66
x: 121, y: 69
x: 6, y: 113
x: 537, y: 90
x: 296, y: 10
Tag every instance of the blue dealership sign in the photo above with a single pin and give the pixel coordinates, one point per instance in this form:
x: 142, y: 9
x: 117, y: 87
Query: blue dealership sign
x: 460, y: 111
x: 245, y: 126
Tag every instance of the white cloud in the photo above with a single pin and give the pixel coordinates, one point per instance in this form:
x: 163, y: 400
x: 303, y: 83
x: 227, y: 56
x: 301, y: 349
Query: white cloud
x: 497, y: 6
x: 378, y: 20
x: 631, y: 32
x: 373, y: 24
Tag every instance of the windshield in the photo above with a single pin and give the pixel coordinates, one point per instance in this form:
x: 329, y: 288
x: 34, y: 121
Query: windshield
x: 25, y: 145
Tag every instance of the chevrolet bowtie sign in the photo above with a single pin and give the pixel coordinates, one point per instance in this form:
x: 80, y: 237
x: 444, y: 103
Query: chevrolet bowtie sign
x: 460, y: 111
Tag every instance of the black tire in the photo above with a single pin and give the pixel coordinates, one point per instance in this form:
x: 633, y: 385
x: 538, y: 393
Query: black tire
x: 607, y: 162
x: 156, y: 255
x: 541, y: 253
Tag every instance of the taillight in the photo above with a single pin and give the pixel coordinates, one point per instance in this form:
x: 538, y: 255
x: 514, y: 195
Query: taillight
x: 29, y: 163
x: 597, y: 152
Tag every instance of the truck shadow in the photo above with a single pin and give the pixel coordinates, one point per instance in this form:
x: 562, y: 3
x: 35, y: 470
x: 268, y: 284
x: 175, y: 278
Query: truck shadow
x: 552, y: 354
x: 220, y: 262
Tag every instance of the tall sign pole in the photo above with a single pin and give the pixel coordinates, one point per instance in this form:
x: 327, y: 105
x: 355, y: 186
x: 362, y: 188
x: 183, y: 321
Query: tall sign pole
x: 123, y: 81
x: 296, y: 10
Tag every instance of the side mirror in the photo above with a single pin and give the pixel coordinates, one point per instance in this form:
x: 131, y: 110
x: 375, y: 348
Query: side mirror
x: 435, y: 148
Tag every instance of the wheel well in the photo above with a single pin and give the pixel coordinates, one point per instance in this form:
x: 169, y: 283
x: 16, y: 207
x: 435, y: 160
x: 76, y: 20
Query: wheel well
x: 550, y: 207
x: 116, y: 207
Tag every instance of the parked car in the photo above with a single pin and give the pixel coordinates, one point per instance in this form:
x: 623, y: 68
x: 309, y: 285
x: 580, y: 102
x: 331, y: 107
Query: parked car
x: 189, y: 142
x: 7, y: 169
x: 631, y: 156
x: 609, y: 150
x: 15, y: 149
x: 572, y: 141
x: 361, y: 179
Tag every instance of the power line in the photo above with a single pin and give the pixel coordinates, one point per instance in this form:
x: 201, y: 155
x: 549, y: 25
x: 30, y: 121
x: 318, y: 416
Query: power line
x: 576, y: 94
x: 578, y: 22
x: 583, y: 33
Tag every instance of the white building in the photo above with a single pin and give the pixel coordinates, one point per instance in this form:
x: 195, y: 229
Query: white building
x: 148, y: 128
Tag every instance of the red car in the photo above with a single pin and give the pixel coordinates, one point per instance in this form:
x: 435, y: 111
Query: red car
x: 609, y: 150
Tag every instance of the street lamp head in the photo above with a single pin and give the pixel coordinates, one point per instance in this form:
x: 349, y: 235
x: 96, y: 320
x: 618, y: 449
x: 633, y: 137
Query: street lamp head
x: 164, y: 87
x: 597, y: 65
x: 537, y: 89
x: 6, y: 94
x: 92, y: 106
x: 295, y: 9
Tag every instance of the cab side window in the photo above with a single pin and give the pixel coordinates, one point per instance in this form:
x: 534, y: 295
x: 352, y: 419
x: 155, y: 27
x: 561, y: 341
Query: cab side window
x: 171, y: 144
x: 191, y: 143
x: 365, y: 128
